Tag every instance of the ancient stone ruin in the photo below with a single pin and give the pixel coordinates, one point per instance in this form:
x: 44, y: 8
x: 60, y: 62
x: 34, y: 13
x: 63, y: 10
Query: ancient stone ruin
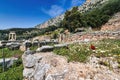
x: 90, y: 36
x: 12, y: 36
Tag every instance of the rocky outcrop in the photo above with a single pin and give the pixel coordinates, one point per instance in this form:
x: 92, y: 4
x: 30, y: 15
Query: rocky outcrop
x: 55, y: 21
x: 88, y: 5
x: 48, y: 66
x: 113, y: 24
x: 91, y: 4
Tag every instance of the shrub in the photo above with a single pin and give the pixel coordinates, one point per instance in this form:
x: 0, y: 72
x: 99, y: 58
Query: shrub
x: 94, y: 18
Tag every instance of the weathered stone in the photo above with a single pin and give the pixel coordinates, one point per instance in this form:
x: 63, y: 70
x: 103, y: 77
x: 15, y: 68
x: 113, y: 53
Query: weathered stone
x: 36, y: 43
x: 27, y: 43
x: 8, y: 61
x: 60, y: 45
x: 12, y: 36
x: 92, y: 36
x: 28, y: 73
x: 45, y: 49
x: 29, y: 52
x: 49, y: 66
x: 14, y: 47
x: 40, y: 71
x: 28, y: 61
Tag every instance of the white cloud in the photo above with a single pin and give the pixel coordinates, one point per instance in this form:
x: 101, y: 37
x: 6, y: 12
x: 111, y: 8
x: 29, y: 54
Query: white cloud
x: 76, y: 2
x: 55, y: 10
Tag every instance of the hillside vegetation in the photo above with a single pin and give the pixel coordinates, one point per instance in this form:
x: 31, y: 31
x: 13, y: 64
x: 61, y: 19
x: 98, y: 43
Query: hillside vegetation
x: 26, y: 33
x: 94, y: 18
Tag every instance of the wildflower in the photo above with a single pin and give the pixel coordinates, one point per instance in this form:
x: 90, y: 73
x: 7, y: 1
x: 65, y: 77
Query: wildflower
x: 92, y: 47
x: 102, y: 51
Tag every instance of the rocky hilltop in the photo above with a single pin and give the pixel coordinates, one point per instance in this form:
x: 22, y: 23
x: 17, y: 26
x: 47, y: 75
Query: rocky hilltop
x: 88, y: 5
x: 55, y: 21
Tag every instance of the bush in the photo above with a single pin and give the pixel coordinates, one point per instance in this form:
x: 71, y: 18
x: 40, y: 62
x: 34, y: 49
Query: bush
x: 94, y: 18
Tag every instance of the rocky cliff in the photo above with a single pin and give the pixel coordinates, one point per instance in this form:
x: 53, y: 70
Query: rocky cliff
x: 88, y: 5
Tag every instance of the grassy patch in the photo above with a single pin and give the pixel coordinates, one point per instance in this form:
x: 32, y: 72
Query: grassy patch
x: 75, y: 52
x: 10, y: 53
x: 33, y: 48
x: 81, y: 51
x: 12, y: 74
x: 15, y: 71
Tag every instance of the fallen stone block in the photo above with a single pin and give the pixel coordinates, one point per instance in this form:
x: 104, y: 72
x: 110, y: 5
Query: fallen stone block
x: 45, y: 49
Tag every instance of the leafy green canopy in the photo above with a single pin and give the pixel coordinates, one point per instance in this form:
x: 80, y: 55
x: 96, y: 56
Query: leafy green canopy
x: 94, y: 18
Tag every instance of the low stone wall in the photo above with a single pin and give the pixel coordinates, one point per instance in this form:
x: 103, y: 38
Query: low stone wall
x: 91, y: 36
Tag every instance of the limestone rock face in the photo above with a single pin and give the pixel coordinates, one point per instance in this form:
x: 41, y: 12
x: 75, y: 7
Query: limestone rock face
x: 91, y: 4
x: 48, y: 66
x: 54, y: 21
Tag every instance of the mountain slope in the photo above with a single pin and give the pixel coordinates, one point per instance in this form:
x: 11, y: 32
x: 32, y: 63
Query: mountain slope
x: 54, y: 21
x: 113, y: 24
x: 88, y: 5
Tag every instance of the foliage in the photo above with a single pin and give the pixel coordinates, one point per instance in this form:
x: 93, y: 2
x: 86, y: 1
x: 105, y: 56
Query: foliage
x: 72, y: 19
x: 12, y: 74
x: 26, y: 33
x: 15, y: 71
x: 10, y: 53
x: 48, y: 29
x: 33, y: 48
x: 16, y: 63
x: 94, y: 18
x: 22, y: 33
x: 75, y: 52
x: 55, y: 35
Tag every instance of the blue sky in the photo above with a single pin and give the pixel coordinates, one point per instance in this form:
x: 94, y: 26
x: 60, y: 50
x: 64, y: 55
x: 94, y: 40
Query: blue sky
x: 29, y: 13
